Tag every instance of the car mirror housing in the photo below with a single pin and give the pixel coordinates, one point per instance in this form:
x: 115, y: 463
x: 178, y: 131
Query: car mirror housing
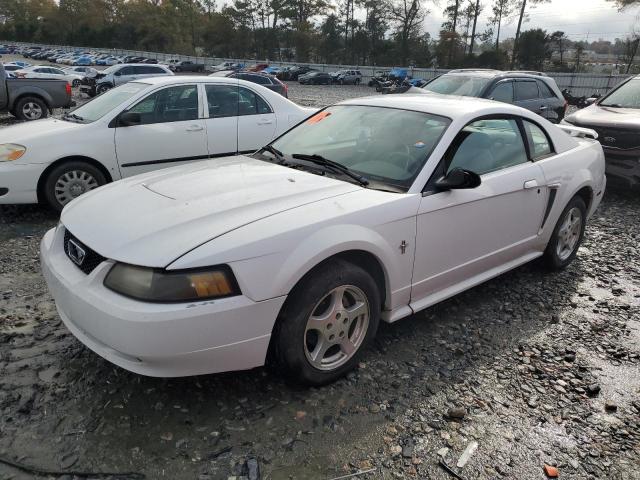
x: 129, y: 119
x: 458, y: 178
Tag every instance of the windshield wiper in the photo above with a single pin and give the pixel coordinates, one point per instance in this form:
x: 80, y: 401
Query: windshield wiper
x: 335, y: 166
x: 612, y: 105
x: 275, y: 152
x: 73, y: 116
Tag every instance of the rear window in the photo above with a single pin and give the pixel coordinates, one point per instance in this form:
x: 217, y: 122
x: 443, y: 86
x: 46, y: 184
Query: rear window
x: 526, y: 90
x: 458, y: 85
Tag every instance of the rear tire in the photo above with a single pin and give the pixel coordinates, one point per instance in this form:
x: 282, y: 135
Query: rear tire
x: 567, y: 235
x: 326, y: 323
x: 70, y: 180
x: 31, y: 108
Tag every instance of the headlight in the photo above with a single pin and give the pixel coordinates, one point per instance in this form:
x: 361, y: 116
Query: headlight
x: 11, y: 151
x: 157, y: 285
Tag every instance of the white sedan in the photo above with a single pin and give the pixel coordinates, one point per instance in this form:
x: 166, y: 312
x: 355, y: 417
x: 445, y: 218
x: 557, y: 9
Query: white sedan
x: 45, y: 71
x: 141, y: 126
x: 371, y: 209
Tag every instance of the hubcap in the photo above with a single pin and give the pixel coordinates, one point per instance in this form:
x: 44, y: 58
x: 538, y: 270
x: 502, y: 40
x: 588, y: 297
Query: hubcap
x: 569, y: 234
x: 32, y: 110
x: 337, y: 327
x: 72, y: 184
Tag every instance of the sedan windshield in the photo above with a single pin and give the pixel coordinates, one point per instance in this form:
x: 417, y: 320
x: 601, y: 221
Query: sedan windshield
x: 627, y: 96
x: 385, y: 146
x: 458, y: 85
x: 103, y: 104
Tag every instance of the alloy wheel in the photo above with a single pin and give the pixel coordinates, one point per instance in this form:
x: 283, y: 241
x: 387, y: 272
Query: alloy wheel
x: 72, y: 184
x: 569, y: 234
x: 337, y: 327
x: 32, y: 111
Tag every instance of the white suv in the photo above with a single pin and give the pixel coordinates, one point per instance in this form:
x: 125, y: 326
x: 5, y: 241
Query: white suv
x: 124, y: 73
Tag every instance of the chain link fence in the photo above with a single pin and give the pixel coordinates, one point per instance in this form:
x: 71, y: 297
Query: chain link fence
x: 578, y: 83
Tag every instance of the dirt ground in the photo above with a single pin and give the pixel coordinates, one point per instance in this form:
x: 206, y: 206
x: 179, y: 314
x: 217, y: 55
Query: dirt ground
x: 527, y: 370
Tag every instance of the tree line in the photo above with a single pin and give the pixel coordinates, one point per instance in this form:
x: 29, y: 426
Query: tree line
x: 356, y: 32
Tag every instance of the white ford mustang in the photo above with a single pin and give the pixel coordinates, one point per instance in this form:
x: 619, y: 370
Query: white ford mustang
x: 138, y: 127
x: 371, y: 209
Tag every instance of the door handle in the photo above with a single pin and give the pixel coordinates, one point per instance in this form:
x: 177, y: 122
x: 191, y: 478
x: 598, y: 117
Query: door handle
x: 530, y: 184
x: 194, y: 128
x: 265, y: 122
x: 543, y: 108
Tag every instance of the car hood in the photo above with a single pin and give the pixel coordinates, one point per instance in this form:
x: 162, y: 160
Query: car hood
x: 152, y: 219
x: 597, y: 116
x: 23, y: 132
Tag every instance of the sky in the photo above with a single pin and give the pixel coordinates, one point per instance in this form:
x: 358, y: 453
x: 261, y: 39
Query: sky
x: 580, y: 19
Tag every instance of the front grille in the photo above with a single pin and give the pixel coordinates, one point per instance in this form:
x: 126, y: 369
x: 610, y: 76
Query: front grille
x: 81, y: 255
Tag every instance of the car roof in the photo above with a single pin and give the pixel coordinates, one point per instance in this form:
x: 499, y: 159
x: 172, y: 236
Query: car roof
x: 169, y: 79
x: 451, y: 106
x: 488, y: 73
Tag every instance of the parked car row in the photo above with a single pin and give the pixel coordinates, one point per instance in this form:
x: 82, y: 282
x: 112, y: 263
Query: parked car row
x: 79, y: 57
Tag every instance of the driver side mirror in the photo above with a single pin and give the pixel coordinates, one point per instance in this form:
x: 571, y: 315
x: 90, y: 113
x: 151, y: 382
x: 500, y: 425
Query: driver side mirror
x: 458, y: 178
x: 129, y: 119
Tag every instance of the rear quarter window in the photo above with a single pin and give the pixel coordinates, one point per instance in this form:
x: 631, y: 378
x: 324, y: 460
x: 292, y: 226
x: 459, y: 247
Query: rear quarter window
x: 545, y: 91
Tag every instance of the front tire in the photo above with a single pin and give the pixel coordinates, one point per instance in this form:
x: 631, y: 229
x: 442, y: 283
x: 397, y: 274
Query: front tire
x: 103, y: 87
x: 70, y: 180
x: 326, y: 323
x: 31, y: 108
x: 567, y: 235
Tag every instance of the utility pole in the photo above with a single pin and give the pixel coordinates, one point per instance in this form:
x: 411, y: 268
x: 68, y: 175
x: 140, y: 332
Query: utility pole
x: 515, y: 43
x: 475, y: 22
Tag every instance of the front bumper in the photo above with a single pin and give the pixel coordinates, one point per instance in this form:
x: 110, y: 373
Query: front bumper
x: 19, y: 182
x: 159, y: 340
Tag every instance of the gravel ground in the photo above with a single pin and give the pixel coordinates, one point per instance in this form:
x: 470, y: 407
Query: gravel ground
x: 527, y: 370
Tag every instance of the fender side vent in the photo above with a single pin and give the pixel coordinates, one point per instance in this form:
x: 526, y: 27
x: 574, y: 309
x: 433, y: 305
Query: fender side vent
x: 550, y: 201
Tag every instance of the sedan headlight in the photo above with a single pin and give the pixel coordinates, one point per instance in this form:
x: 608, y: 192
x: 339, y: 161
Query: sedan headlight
x: 158, y: 285
x: 11, y: 151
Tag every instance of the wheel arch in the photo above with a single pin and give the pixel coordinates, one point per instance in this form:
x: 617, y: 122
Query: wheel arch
x: 364, y: 259
x: 586, y: 193
x: 16, y: 100
x: 71, y: 158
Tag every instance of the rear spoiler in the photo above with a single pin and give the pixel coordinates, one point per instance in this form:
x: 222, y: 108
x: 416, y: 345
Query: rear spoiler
x: 578, y: 131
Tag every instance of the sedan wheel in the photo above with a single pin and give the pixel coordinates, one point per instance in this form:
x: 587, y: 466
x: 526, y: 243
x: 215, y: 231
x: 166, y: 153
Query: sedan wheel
x: 69, y: 181
x: 337, y: 327
x: 72, y: 184
x: 326, y: 322
x: 567, y: 235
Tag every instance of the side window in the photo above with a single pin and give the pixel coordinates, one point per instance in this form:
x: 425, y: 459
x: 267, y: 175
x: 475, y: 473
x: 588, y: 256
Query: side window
x: 539, y: 144
x: 172, y: 104
x: 222, y: 100
x: 259, y: 79
x: 251, y: 104
x: 503, y: 92
x: 486, y: 146
x: 126, y: 71
x: 545, y: 91
x: 526, y: 90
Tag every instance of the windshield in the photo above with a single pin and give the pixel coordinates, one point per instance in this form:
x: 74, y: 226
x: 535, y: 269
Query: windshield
x: 103, y: 104
x: 627, y: 96
x: 458, y: 85
x: 385, y: 145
